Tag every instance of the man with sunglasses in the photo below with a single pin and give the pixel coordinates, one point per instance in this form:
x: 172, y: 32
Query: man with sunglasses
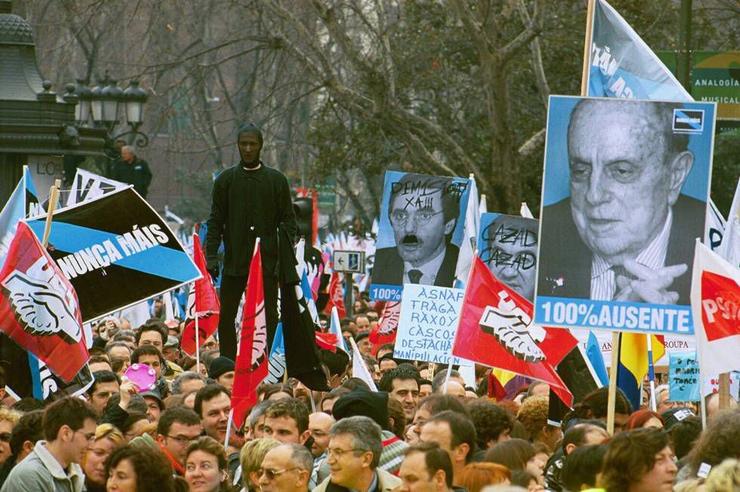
x: 423, y: 212
x: 286, y: 468
x: 353, y: 456
x: 69, y: 427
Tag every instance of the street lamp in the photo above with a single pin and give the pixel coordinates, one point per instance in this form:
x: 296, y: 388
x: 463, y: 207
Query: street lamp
x: 103, y: 103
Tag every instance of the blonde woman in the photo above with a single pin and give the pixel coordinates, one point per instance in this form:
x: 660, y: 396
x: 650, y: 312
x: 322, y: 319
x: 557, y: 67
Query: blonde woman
x: 8, y: 419
x: 251, y: 457
x: 107, y: 439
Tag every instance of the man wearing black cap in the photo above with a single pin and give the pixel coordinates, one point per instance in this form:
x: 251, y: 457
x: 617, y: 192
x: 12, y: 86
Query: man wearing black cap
x: 250, y: 200
x: 221, y: 370
x: 374, y: 405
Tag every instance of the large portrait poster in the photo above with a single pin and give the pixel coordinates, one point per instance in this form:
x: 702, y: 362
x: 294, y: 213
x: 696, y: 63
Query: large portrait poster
x: 624, y: 196
x: 507, y: 244
x: 421, y: 228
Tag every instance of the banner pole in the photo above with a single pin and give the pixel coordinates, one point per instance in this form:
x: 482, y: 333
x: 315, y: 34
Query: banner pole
x: 447, y: 377
x: 228, y: 428
x: 587, y: 47
x: 612, y: 384
x: 53, y: 199
x: 197, y: 341
x: 724, y: 390
x: 459, y: 316
x: 651, y: 373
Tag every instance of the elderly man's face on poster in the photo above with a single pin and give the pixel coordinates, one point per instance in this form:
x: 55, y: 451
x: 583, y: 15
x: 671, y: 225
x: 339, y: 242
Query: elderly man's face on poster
x: 510, y: 252
x: 623, y: 178
x: 418, y: 220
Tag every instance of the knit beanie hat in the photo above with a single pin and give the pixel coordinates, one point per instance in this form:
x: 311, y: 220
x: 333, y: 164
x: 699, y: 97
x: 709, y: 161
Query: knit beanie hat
x: 362, y: 402
x: 219, y: 366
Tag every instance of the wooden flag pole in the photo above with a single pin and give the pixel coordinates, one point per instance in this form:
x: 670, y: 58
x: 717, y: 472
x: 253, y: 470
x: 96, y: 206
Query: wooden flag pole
x: 612, y: 384
x: 724, y: 390
x: 197, y: 341
x: 587, y: 47
x: 53, y: 199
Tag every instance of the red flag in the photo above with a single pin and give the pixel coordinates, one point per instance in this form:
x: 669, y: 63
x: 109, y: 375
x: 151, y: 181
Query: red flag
x: 39, y: 308
x: 251, y: 357
x: 336, y: 296
x: 386, y: 329
x: 496, y: 329
x: 326, y: 341
x: 203, y: 303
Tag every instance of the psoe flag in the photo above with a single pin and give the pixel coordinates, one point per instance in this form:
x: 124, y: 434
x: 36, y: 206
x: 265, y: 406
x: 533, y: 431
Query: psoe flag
x: 39, y: 309
x: 715, y: 301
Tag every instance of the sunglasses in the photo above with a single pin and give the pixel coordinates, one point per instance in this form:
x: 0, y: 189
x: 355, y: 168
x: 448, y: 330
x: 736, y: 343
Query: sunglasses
x: 271, y: 474
x: 5, y: 436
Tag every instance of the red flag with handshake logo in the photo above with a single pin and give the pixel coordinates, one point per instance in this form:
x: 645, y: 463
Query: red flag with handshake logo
x: 203, y: 304
x: 39, y: 308
x: 251, y: 356
x: 496, y: 330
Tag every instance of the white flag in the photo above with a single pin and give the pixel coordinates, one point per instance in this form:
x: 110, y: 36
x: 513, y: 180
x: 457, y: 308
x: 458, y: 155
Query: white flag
x: 715, y: 228
x: 729, y: 249
x: 525, y: 212
x: 335, y: 327
x: 470, y: 235
x: 359, y: 369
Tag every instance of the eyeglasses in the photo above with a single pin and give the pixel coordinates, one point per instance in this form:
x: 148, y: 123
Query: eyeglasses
x: 5, y: 436
x: 271, y: 474
x: 182, y: 439
x: 422, y: 217
x: 339, y: 452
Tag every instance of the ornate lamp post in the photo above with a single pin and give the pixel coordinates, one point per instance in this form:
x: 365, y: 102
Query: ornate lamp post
x: 104, y: 102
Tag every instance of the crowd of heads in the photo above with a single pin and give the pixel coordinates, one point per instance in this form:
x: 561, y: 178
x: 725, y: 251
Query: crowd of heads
x: 427, y: 428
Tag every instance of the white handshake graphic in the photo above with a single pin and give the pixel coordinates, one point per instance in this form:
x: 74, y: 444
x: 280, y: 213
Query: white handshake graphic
x: 513, y: 328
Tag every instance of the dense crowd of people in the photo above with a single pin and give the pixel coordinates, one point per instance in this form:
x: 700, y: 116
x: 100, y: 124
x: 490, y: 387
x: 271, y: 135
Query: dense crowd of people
x: 419, y: 432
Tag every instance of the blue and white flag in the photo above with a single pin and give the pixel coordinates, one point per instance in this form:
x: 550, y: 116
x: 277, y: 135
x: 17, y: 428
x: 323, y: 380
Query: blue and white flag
x: 276, y: 365
x: 23, y: 202
x: 622, y: 65
x: 335, y: 327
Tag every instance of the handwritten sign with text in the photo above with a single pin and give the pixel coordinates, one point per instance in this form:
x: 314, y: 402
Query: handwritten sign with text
x: 429, y: 318
x: 683, y: 377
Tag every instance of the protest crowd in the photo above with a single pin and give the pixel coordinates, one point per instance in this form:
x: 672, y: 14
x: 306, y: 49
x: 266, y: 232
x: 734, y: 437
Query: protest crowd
x: 444, y: 349
x: 419, y: 431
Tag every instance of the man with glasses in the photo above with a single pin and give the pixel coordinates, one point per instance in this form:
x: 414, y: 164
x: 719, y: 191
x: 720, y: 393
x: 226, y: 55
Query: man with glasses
x: 353, y: 456
x: 69, y: 427
x: 286, y: 468
x: 105, y: 385
x: 177, y: 428
x: 423, y: 212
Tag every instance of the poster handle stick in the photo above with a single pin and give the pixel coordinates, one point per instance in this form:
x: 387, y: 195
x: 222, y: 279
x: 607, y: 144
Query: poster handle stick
x: 612, y: 384
x: 197, y: 343
x: 587, y: 47
x: 228, y: 428
x: 457, y: 325
x: 724, y: 390
x: 53, y: 199
x: 651, y: 372
x: 447, y: 376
